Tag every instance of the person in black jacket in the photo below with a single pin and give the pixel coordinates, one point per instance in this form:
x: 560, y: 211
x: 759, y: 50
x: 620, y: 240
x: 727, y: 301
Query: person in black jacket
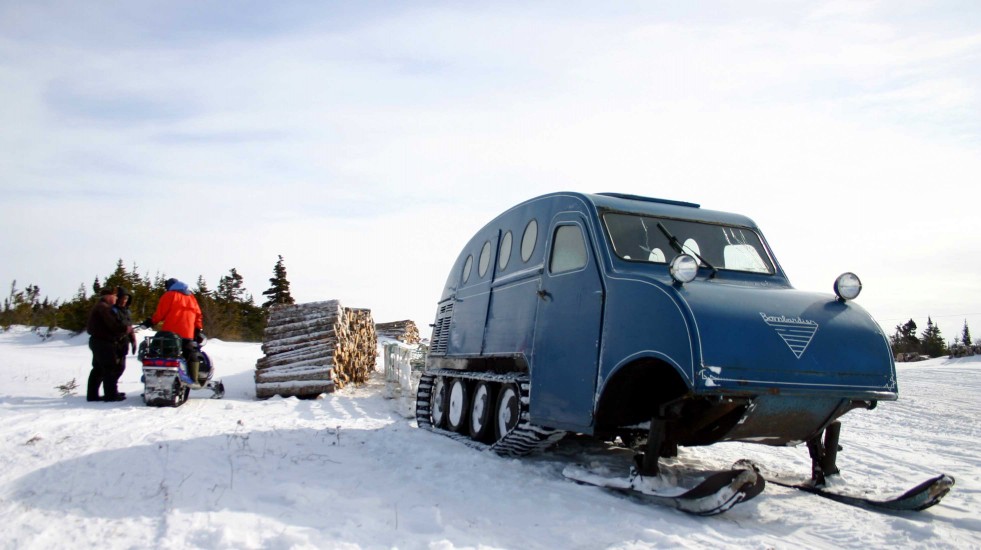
x: 105, y: 329
x: 128, y: 340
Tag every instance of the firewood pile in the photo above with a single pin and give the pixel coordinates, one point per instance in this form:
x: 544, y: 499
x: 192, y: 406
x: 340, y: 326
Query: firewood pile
x: 312, y: 348
x: 404, y: 331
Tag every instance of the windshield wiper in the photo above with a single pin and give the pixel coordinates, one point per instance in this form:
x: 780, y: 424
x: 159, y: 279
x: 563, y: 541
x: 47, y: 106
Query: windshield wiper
x: 677, y: 247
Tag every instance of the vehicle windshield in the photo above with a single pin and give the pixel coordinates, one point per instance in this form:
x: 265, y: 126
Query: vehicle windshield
x: 638, y: 238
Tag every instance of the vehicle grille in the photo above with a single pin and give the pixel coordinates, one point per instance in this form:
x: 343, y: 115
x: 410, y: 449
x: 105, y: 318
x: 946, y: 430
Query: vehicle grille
x: 441, y: 330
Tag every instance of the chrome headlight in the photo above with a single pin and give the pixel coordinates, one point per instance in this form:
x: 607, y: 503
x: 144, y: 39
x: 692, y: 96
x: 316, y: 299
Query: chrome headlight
x: 848, y: 286
x: 684, y: 268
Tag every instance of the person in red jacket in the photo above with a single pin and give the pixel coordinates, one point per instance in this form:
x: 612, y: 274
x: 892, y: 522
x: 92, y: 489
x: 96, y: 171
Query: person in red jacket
x: 180, y: 313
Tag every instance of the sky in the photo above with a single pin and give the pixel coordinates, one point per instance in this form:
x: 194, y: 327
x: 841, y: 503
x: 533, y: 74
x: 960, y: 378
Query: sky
x: 366, y: 142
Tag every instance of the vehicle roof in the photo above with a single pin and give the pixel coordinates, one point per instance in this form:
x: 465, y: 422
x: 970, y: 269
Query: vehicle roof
x: 635, y: 204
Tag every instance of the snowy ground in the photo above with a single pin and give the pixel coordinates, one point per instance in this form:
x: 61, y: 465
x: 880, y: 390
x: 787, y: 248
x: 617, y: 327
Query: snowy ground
x: 348, y: 471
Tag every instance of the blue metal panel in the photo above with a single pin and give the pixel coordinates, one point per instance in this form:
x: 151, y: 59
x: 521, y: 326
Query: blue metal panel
x: 473, y: 297
x: 511, y: 320
x: 787, y: 339
x: 514, y: 300
x: 567, y: 337
x: 644, y: 320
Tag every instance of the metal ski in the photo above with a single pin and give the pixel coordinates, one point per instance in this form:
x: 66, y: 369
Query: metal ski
x: 921, y: 497
x: 717, y: 493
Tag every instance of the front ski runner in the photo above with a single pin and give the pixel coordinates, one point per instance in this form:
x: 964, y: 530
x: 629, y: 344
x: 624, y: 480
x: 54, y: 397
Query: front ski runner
x: 714, y: 494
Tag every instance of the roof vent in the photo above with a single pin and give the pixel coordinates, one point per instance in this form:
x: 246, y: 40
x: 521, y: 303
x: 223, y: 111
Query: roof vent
x: 650, y: 199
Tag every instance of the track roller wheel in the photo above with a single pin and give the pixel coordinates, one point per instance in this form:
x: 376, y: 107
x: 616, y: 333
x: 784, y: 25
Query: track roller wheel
x: 437, y: 402
x: 507, y: 412
x: 458, y: 403
x: 482, y: 411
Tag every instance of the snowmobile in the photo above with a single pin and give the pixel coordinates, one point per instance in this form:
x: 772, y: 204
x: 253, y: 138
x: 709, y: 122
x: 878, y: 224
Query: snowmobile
x: 166, y: 378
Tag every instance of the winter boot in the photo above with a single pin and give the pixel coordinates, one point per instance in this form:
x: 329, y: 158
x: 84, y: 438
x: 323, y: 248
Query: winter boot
x: 192, y: 369
x: 95, y: 381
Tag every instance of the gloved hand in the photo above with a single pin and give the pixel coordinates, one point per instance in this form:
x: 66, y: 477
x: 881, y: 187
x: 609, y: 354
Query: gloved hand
x: 147, y: 323
x: 198, y: 335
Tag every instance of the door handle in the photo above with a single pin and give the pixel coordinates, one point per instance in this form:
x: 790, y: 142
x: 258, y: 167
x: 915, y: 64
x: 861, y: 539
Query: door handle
x: 543, y: 294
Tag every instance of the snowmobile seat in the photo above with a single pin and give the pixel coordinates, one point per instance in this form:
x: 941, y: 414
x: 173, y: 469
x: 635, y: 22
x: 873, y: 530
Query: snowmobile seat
x: 165, y: 344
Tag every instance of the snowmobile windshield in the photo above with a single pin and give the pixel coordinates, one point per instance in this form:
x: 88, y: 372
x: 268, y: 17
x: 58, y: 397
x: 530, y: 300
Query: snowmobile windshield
x: 637, y: 238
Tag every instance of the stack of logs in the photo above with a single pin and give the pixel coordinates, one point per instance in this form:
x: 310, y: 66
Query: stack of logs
x: 312, y: 348
x: 404, y: 331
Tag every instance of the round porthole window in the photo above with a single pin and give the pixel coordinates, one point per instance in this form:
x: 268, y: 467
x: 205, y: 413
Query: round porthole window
x: 505, y: 255
x: 484, y: 259
x: 528, y: 240
x: 467, y: 267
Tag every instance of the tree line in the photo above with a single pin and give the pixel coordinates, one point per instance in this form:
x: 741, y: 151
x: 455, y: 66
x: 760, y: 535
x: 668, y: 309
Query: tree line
x: 229, y: 311
x: 906, y: 345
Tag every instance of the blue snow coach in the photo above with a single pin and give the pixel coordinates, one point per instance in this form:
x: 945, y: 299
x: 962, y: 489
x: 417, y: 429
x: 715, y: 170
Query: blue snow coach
x: 654, y: 321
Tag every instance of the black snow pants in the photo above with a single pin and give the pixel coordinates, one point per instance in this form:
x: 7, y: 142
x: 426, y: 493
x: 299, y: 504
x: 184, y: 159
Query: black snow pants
x: 103, y: 369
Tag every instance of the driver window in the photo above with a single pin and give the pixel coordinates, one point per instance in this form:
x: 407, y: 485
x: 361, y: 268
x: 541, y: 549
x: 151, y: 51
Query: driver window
x: 568, y: 250
x: 744, y: 258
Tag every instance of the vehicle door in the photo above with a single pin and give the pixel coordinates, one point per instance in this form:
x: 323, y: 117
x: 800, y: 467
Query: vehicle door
x: 567, y: 328
x: 472, y: 299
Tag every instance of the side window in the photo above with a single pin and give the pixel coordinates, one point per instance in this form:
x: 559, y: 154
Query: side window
x: 467, y: 268
x: 691, y: 245
x: 505, y: 255
x: 484, y: 261
x: 528, y: 240
x: 568, y: 250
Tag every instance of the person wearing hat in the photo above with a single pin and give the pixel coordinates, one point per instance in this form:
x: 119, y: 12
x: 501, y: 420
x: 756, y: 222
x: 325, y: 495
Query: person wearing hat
x: 180, y: 313
x: 105, y: 329
x: 128, y: 341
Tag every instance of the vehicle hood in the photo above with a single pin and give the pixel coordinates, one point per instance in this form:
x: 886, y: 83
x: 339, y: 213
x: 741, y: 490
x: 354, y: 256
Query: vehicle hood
x: 783, y: 338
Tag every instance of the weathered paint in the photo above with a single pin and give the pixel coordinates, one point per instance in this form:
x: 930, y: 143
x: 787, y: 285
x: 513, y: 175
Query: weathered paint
x: 799, y: 358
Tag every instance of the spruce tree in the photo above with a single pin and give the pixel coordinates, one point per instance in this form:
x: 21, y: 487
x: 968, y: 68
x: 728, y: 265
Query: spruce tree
x: 966, y: 335
x: 279, y: 291
x: 905, y: 340
x: 933, y: 343
x: 118, y: 278
x: 230, y: 288
x: 74, y: 315
x: 236, y: 317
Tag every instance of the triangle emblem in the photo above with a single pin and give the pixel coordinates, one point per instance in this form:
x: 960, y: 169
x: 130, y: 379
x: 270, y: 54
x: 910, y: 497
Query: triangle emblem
x: 797, y: 333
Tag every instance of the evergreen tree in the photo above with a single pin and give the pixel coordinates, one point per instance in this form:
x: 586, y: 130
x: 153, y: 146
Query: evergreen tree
x: 24, y: 307
x: 228, y: 312
x: 74, y: 315
x: 966, y: 335
x: 279, y: 290
x: 905, y: 340
x: 230, y: 288
x: 933, y: 343
x: 209, y: 311
x: 202, y: 286
x: 235, y: 315
x: 119, y: 277
x: 145, y: 295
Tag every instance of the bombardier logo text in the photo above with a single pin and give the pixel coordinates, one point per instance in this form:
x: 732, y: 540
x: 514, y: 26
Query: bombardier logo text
x: 796, y: 332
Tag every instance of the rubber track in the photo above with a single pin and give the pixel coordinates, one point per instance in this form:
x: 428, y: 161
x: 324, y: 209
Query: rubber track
x: 524, y: 439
